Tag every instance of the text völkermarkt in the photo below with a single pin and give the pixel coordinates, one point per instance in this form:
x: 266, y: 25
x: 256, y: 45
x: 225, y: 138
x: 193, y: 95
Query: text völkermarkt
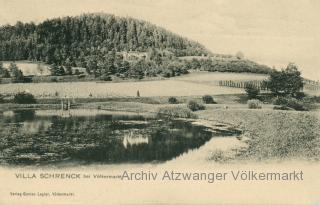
x: 211, y: 177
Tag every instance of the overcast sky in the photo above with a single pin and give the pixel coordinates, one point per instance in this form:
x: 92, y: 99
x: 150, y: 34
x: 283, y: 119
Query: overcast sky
x: 272, y: 32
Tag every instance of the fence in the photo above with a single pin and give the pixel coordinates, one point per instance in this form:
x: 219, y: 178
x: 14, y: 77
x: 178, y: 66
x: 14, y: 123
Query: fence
x: 311, y: 85
x: 261, y: 85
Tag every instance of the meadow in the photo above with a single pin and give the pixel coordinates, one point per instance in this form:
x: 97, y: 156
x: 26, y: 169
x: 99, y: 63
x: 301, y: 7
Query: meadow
x: 30, y: 68
x: 271, y: 134
x: 194, y: 84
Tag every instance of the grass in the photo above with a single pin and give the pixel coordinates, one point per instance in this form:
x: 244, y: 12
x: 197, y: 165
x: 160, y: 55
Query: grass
x: 175, y: 112
x: 273, y: 134
x: 125, y: 89
x: 194, y: 84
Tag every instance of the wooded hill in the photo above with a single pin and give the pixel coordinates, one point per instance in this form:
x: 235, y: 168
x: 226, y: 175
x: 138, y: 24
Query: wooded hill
x: 103, y: 44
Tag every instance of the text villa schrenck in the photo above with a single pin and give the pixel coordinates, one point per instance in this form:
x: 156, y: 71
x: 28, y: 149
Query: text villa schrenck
x: 210, y: 177
x: 48, y: 176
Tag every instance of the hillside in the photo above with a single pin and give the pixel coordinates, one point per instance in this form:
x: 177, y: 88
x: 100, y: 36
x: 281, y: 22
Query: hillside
x: 107, y: 45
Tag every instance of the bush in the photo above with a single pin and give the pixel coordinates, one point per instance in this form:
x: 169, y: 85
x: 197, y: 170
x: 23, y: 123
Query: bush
x: 194, y: 106
x: 280, y: 101
x: 208, y: 99
x: 296, y: 104
x: 314, y: 99
x: 77, y: 72
x: 175, y: 112
x: 106, y: 78
x: 252, y: 91
x: 81, y: 76
x: 1, y: 98
x: 54, y: 79
x: 24, y: 98
x: 172, y: 100
x: 300, y: 95
x: 281, y: 107
x: 291, y: 103
x: 254, y: 104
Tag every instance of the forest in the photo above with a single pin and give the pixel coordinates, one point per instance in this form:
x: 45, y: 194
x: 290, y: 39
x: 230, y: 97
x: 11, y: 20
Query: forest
x: 100, y: 43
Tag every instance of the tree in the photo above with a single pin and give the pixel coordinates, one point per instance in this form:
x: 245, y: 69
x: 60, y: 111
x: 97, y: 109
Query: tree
x: 57, y: 70
x: 4, y: 73
x: 252, y: 91
x: 16, y: 74
x: 77, y: 72
x: 125, y: 66
x: 96, y: 41
x: 110, y: 61
x: 287, y: 82
x: 92, y: 65
x: 208, y: 99
x: 68, y: 66
x: 137, y: 69
x: 24, y: 98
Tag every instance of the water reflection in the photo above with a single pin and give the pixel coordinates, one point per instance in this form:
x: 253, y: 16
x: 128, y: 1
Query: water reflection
x: 132, y: 139
x: 26, y: 138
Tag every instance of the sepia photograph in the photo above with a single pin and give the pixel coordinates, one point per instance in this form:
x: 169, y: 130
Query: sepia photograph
x: 158, y: 102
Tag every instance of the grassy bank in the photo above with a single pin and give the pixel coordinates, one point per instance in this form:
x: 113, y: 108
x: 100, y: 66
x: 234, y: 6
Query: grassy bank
x: 139, y: 104
x: 273, y: 135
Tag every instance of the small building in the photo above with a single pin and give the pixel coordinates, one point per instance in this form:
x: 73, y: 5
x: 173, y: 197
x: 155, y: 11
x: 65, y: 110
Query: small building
x: 134, y: 55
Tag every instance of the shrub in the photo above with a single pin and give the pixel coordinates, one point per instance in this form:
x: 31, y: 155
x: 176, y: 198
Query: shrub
x: 314, y: 99
x: 254, y: 104
x: 106, y: 78
x: 281, y: 107
x: 1, y: 98
x: 208, y: 99
x: 54, y: 79
x: 194, y: 106
x: 300, y: 95
x: 77, y: 72
x: 16, y: 73
x: 252, y: 91
x: 296, y: 104
x: 291, y: 103
x: 81, y: 76
x: 280, y: 101
x: 172, y: 100
x: 175, y: 112
x: 24, y: 98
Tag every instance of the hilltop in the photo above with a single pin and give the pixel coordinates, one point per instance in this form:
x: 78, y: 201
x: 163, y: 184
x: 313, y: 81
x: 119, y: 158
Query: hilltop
x: 107, y: 45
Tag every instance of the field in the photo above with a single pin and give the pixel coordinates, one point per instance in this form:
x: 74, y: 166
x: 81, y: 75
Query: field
x: 194, y: 84
x: 29, y: 68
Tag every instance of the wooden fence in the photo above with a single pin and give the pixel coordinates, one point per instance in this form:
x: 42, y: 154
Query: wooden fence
x: 311, y: 85
x: 260, y: 84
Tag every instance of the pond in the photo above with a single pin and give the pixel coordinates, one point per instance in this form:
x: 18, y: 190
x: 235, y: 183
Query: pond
x: 28, y: 138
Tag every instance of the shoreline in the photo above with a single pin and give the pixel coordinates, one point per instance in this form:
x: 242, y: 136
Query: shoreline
x: 265, y: 132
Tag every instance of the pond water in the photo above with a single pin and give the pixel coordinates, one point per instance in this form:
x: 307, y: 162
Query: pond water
x: 30, y: 139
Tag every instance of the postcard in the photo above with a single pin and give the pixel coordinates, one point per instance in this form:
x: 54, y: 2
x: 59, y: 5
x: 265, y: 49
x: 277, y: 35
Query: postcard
x: 164, y: 102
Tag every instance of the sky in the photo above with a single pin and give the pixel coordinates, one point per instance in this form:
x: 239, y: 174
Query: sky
x: 271, y: 32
